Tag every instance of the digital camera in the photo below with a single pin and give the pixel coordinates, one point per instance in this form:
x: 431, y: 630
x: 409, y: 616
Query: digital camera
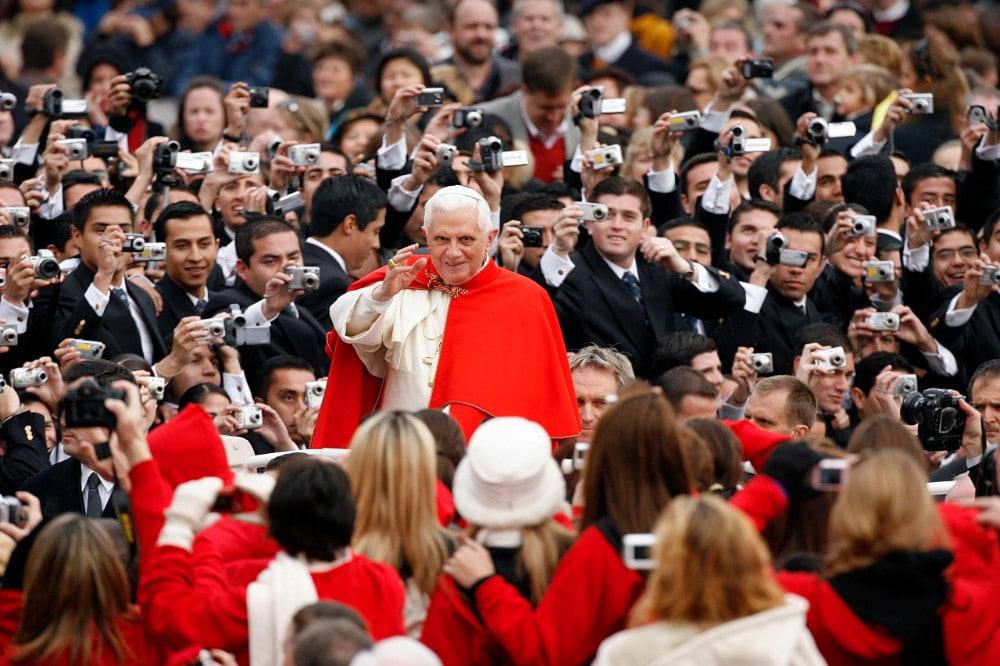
x: 146, y: 84
x: 156, y: 386
x: 243, y: 163
x: 12, y: 511
x: 76, y: 149
x: 6, y: 170
x: 685, y: 122
x: 940, y: 218
x: 46, y: 267
x: 757, y: 68
x: 531, y: 236
x: 978, y: 114
x: 314, y: 393
x: 607, y: 157
x: 862, y: 225
x: 880, y: 271
x: 305, y: 154
x: 923, y: 103
x: 134, y: 243
x: 8, y: 101
x: 883, y: 321
x: 637, y: 551
x: 249, y: 417
x: 290, y: 201
x: 939, y: 419
x: 8, y: 335
x: 88, y: 348
x: 20, y: 216
x: 906, y: 384
x: 303, y: 277
x: 213, y: 328
x: 762, y: 363
x: 55, y: 106
x: 84, y: 405
x: 259, y: 97
x: 467, y: 118
x: 152, y: 252
x: 593, y: 211
x: 990, y: 275
x: 830, y: 474
x: 430, y: 98
x: 240, y: 332
x: 24, y: 377
x: 578, y: 461
x: 831, y: 359
x: 446, y: 154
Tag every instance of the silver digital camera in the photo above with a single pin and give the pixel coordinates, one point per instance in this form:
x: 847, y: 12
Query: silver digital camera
x: 637, y: 551
x: 88, y: 348
x: 831, y: 359
x: 156, y: 386
x: 862, y: 225
x: 685, y: 122
x: 76, y: 149
x: 8, y: 335
x: 20, y: 216
x: 905, y: 385
x: 923, y: 103
x: 577, y: 462
x: 940, y: 218
x: 880, y: 271
x: 46, y: 267
x: 883, y: 321
x: 314, y: 393
x: 430, y: 97
x: 24, y: 377
x: 593, y: 211
x: 762, y: 363
x: 468, y: 118
x: 303, y: 277
x: 243, y: 163
x: 446, y: 153
x: 608, y: 157
x: 249, y: 417
x: 152, y: 252
x: 305, y: 154
x: 213, y: 328
x: 12, y: 511
x: 6, y: 170
x: 990, y: 275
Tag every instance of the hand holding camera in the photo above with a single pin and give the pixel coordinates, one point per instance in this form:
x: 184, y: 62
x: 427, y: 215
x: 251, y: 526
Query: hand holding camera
x: 20, y: 515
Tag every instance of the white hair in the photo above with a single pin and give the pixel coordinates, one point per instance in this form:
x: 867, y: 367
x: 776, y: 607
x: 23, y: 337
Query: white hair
x: 455, y: 198
x: 397, y: 651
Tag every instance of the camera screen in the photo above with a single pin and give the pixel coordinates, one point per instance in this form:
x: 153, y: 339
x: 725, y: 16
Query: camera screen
x: 830, y: 476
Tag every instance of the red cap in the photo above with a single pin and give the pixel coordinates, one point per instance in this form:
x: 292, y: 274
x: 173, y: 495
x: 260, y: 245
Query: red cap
x: 189, y: 447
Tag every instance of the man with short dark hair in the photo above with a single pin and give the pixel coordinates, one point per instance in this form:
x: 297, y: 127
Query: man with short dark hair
x: 874, y: 388
x: 348, y: 213
x: 690, y: 394
x: 265, y: 248
x: 831, y: 49
x: 283, y: 387
x: 606, y: 294
x: 528, y: 210
x: 472, y: 26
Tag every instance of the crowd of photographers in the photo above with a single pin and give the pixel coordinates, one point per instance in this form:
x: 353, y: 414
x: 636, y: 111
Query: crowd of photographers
x: 769, y: 234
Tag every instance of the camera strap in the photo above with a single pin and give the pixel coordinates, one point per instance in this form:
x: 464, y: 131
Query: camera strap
x: 123, y: 514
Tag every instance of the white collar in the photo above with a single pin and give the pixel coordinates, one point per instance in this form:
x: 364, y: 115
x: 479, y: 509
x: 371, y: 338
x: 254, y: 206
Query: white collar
x: 615, y: 49
x: 333, y: 253
x: 85, y: 473
x: 619, y: 271
x: 535, y: 133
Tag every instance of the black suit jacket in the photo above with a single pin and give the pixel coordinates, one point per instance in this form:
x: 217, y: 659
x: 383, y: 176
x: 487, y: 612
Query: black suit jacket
x: 74, y: 318
x: 333, y: 282
x: 595, y: 306
x: 59, y: 491
x: 641, y: 64
x: 975, y: 342
x: 298, y: 336
x: 176, y: 306
x: 24, y: 450
x: 836, y: 297
x: 774, y: 329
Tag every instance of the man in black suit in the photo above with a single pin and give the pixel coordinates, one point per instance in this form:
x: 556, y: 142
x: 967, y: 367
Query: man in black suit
x: 348, y: 213
x: 533, y: 209
x: 96, y: 302
x: 831, y: 49
x: 776, y: 313
x: 608, y: 295
x: 607, y: 23
x: 265, y: 247
x: 186, y: 229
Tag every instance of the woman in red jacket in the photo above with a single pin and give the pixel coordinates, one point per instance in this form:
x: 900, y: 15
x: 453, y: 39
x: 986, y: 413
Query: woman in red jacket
x: 635, y: 465
x: 903, y: 582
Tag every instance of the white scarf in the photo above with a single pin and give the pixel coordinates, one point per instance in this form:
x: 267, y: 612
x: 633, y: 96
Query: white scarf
x: 277, y: 594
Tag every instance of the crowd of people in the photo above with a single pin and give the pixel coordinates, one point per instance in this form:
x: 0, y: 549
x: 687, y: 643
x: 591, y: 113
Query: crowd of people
x: 520, y: 333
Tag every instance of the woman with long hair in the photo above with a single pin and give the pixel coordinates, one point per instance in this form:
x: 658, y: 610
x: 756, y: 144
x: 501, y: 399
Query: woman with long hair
x: 201, y: 115
x: 711, y: 597
x: 507, y: 488
x: 75, y: 607
x: 635, y: 465
x: 904, y: 581
x: 393, y: 470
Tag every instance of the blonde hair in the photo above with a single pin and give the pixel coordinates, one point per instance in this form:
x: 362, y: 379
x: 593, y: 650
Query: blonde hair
x: 305, y: 117
x: 542, y: 546
x: 876, y: 82
x: 640, y: 142
x: 882, y: 51
x: 75, y: 593
x: 884, y: 507
x: 392, y: 468
x: 711, y: 566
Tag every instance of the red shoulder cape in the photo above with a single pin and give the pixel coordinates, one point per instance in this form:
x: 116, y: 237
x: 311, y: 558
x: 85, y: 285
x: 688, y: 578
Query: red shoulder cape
x: 502, y: 355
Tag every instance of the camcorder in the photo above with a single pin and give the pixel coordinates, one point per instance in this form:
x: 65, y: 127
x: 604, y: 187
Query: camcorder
x: 939, y: 419
x: 777, y: 254
x: 819, y: 131
x: 467, y: 118
x: 145, y: 83
x: 56, y: 107
x: 240, y: 332
x: 593, y: 104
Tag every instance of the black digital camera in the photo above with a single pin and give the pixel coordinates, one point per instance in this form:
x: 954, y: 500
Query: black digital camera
x: 939, y: 419
x: 84, y: 406
x: 145, y: 83
x: 531, y: 236
x: 259, y: 96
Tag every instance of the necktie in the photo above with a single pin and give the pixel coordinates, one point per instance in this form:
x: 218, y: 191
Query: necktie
x: 94, y: 507
x: 692, y: 324
x: 200, y: 305
x: 633, y: 286
x: 121, y: 295
x: 291, y: 311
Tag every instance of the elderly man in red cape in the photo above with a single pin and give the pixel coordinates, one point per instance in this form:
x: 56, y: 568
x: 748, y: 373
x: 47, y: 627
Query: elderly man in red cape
x: 454, y: 332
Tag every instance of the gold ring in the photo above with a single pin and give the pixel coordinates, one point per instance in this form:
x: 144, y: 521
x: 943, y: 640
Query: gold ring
x: 391, y: 264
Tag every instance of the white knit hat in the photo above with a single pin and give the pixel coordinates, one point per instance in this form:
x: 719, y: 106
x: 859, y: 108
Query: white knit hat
x: 508, y: 477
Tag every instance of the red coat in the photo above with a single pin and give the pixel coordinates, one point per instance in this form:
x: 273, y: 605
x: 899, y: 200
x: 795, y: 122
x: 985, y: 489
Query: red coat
x: 588, y: 600
x: 970, y: 617
x: 145, y: 652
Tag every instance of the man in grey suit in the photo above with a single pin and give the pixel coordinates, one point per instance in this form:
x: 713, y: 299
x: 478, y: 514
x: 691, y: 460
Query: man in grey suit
x: 537, y: 113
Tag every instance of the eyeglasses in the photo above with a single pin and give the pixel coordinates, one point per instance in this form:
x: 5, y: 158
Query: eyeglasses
x: 968, y: 253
